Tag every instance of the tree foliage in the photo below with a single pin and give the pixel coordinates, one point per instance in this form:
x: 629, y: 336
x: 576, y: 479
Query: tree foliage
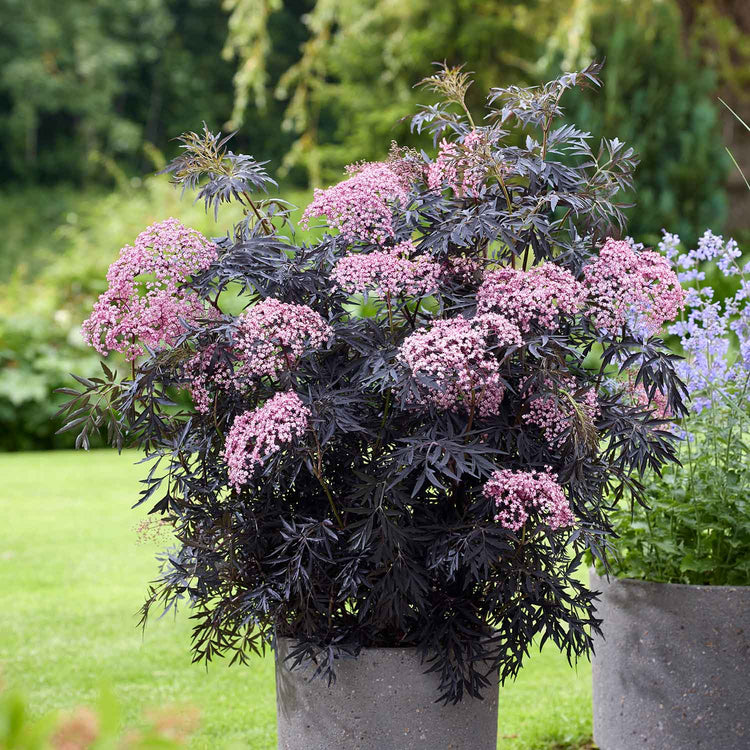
x: 657, y: 92
x: 355, y: 76
x: 662, y: 100
x: 83, y: 80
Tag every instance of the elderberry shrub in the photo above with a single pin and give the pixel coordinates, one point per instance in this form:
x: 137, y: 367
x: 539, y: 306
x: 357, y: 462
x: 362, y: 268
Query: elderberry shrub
x: 403, y: 439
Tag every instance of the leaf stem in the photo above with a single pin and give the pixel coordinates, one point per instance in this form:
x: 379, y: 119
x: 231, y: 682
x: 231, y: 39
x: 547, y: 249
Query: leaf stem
x: 318, y: 473
x: 264, y: 221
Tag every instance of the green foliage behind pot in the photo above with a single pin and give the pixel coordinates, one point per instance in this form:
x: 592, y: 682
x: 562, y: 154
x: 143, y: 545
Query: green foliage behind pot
x: 697, y: 527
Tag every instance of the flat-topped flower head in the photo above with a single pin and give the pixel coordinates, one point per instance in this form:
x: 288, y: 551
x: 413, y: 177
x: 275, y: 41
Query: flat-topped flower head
x: 518, y: 494
x: 394, y: 272
x: 554, y: 412
x: 453, y: 366
x: 269, y: 339
x: 256, y: 435
x: 360, y: 206
x: 539, y: 295
x: 205, y: 373
x: 458, y: 168
x: 462, y: 269
x: 627, y: 288
x: 145, y: 302
x: 497, y: 328
x: 272, y: 336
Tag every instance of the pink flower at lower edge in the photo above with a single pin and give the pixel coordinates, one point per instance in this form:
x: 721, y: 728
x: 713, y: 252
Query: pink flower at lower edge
x: 256, y: 435
x: 519, y: 493
x: 455, y: 365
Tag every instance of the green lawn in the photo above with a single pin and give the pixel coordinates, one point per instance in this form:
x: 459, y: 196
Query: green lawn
x: 72, y: 576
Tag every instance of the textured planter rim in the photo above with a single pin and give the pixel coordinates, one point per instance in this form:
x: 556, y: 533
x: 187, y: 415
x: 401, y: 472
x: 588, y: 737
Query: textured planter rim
x: 671, y: 670
x: 641, y: 581
x: 385, y: 698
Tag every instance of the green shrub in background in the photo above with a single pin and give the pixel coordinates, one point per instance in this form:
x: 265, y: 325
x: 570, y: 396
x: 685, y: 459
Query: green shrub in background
x: 36, y: 355
x: 697, y: 529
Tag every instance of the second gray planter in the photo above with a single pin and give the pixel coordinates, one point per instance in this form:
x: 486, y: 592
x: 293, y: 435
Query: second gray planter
x: 383, y: 700
x: 673, y: 670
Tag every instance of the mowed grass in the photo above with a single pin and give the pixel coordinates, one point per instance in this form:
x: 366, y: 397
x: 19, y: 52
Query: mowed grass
x: 73, y: 575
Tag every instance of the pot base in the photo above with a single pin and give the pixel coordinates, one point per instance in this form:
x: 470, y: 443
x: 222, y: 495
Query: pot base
x: 673, y: 670
x: 382, y: 700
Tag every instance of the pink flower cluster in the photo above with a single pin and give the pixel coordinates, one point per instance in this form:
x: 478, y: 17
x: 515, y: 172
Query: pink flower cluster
x: 498, y: 328
x: 359, y: 207
x: 454, y: 358
x: 144, y: 301
x: 517, y: 493
x: 627, y: 287
x: 552, y: 414
x: 538, y: 295
x: 461, y: 268
x: 392, y: 273
x: 272, y: 336
x: 637, y: 396
x: 203, y: 373
x: 256, y: 435
x: 459, y: 169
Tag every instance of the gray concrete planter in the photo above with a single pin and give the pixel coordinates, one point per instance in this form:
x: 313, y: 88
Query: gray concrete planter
x: 673, y: 670
x: 380, y: 701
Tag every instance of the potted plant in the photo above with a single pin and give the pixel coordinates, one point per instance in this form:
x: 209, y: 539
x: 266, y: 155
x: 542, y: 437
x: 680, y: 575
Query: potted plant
x: 385, y: 453
x: 672, y: 669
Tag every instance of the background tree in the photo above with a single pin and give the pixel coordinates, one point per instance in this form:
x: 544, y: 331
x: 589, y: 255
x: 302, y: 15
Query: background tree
x: 371, y: 50
x: 721, y: 31
x: 360, y: 62
x: 81, y: 80
x: 665, y: 105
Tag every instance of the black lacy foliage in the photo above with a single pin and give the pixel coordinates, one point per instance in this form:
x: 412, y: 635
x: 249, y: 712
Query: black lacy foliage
x: 417, y: 559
